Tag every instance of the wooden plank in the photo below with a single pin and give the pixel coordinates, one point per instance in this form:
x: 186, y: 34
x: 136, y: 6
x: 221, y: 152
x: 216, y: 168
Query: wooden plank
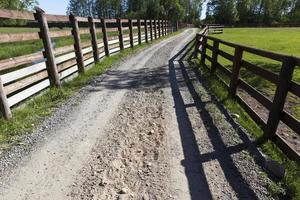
x: 66, y: 65
x: 225, y: 55
x: 291, y: 121
x: 238, y: 54
x: 15, y: 14
x: 66, y: 73
x: 49, y: 51
x: 87, y: 50
x: 255, y: 116
x: 15, y: 75
x: 55, y: 34
x: 284, y: 82
x: 25, y: 82
x: 57, y: 18
x: 94, y: 39
x: 17, y: 98
x: 267, y: 103
x: 77, y: 43
x: 66, y: 57
x: 270, y: 76
x: 18, y: 37
x: 21, y: 60
x: 295, y: 88
x: 286, y: 148
x: 4, y: 104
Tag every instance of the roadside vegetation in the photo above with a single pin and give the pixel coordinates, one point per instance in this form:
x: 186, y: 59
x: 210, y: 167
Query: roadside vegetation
x: 286, y: 41
x: 29, y: 115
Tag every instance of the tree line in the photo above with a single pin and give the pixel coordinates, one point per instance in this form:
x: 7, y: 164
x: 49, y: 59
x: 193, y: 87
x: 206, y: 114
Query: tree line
x: 253, y: 12
x: 184, y: 10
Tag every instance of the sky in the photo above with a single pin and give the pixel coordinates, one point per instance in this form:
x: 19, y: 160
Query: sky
x: 54, y: 6
x: 59, y: 7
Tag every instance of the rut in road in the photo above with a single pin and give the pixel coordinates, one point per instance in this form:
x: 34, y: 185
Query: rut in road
x: 146, y: 129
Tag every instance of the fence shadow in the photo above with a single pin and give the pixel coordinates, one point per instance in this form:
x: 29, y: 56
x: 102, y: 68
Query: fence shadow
x: 198, y: 184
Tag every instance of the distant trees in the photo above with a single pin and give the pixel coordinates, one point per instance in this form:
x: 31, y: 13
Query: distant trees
x: 16, y: 5
x: 186, y: 10
x: 255, y: 12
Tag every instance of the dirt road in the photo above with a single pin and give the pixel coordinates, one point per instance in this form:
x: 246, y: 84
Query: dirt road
x: 143, y: 130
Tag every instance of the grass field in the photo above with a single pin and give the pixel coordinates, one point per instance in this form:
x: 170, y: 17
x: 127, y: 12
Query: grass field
x: 280, y: 40
x: 286, y: 41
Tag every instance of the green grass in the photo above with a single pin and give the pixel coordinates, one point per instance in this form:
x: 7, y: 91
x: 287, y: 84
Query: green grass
x: 291, y: 182
x: 28, y: 116
x: 280, y: 40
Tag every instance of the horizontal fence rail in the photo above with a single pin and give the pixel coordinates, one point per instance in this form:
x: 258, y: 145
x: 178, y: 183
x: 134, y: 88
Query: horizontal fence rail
x: 284, y: 84
x: 26, y: 75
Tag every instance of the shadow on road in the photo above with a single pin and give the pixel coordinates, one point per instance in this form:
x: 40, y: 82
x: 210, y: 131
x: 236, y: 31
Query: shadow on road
x: 194, y: 159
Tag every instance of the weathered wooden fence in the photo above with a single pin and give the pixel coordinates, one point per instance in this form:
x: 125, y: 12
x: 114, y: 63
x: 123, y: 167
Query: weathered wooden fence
x: 284, y: 84
x: 23, y: 76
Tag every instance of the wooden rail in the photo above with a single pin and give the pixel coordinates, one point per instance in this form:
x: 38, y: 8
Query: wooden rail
x: 283, y: 81
x: 23, y: 76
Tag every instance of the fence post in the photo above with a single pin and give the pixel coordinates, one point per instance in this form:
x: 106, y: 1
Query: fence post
x: 121, y: 43
x: 94, y: 39
x: 166, y: 27
x: 151, y: 30
x: 162, y: 28
x: 4, y: 107
x: 284, y: 82
x: 238, y: 54
x: 77, y: 45
x: 139, y: 31
x: 48, y: 48
x: 155, y: 29
x: 215, y: 56
x: 104, y: 34
x: 146, y: 30
x: 130, y: 33
x: 159, y: 28
x: 197, y: 45
x: 203, y: 50
x: 176, y: 26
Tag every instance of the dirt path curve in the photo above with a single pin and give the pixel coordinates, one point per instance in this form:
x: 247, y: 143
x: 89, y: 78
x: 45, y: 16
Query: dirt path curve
x: 136, y: 133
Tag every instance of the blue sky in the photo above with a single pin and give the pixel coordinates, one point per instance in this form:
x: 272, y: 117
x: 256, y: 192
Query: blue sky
x: 60, y: 7
x: 54, y: 6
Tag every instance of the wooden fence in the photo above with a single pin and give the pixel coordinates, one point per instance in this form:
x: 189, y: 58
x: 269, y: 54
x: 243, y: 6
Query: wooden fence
x: 23, y: 76
x: 284, y: 85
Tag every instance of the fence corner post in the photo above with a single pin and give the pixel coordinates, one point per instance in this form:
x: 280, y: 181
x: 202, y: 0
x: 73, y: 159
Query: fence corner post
x: 238, y: 54
x: 105, y: 40
x: 77, y: 43
x: 130, y: 33
x: 215, y: 56
x: 197, y: 45
x: 94, y: 39
x: 284, y: 82
x: 4, y: 106
x: 139, y: 31
x: 48, y: 48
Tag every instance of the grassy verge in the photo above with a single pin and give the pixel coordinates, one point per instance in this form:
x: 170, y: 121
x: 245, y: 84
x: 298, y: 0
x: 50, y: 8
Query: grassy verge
x: 291, y: 182
x: 27, y: 117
